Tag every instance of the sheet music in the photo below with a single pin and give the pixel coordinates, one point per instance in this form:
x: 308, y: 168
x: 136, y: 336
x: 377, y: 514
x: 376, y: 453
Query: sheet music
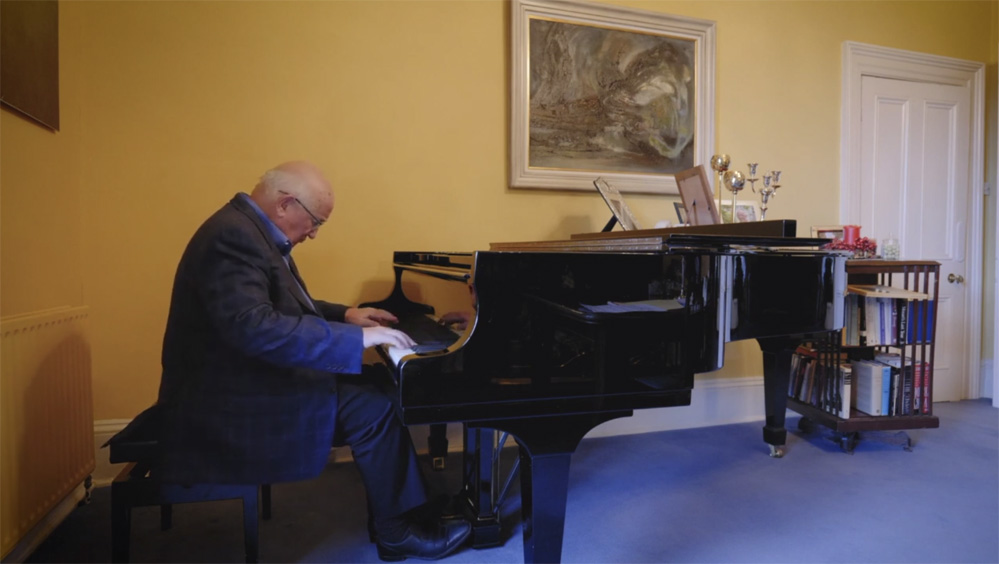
x: 629, y: 307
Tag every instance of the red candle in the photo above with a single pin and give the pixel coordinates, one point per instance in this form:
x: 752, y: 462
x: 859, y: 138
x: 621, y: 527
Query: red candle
x: 851, y: 233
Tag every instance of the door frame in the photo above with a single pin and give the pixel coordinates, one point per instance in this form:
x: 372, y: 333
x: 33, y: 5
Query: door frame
x: 860, y: 60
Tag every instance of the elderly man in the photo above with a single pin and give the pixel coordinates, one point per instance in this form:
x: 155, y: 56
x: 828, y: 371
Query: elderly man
x: 260, y: 379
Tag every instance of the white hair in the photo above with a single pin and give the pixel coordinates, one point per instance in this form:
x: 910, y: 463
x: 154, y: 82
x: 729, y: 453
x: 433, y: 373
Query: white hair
x: 275, y: 181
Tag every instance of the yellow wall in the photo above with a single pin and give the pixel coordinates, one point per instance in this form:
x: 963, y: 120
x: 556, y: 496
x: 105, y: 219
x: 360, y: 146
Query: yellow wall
x: 169, y: 108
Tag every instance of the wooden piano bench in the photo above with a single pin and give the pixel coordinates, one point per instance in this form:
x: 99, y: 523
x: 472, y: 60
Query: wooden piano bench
x: 137, y: 486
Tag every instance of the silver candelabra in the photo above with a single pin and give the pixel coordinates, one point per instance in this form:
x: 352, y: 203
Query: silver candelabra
x: 771, y: 182
x: 735, y: 181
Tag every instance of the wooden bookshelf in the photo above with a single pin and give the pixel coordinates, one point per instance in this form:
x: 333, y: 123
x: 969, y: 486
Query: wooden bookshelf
x: 917, y: 283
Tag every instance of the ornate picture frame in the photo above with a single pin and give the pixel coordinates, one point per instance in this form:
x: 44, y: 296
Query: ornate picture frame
x: 605, y: 91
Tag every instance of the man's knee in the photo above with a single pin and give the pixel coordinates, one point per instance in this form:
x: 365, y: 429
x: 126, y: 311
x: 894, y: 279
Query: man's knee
x: 366, y: 412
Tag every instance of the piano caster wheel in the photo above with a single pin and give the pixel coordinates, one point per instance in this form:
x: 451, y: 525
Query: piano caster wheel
x: 776, y: 451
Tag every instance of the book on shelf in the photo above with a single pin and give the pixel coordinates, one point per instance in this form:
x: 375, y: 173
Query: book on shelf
x: 920, y: 322
x: 873, y: 383
x: 844, y: 384
x: 908, y: 377
x: 871, y: 320
x: 816, y: 379
x: 901, y: 322
x: 920, y: 388
x: 901, y: 382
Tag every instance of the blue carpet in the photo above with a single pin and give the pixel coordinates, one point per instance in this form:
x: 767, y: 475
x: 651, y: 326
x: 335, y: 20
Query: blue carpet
x: 696, y: 495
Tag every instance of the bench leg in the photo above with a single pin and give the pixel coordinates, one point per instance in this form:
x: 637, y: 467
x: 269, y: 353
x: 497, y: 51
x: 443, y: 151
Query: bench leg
x: 121, y: 525
x: 250, y: 524
x: 265, y: 502
x: 166, y: 517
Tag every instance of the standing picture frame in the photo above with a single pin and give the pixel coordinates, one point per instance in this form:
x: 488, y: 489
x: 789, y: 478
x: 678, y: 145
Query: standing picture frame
x: 698, y: 199
x: 681, y: 213
x: 600, y: 90
x: 745, y: 211
x: 830, y: 232
x: 622, y: 213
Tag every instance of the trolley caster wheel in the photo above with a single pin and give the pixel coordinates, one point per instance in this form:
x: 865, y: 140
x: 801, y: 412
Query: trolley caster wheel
x: 776, y: 451
x: 806, y: 425
x: 906, y: 443
x: 848, y: 441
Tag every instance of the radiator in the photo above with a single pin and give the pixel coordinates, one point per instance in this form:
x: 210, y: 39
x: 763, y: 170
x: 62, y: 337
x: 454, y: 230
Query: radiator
x: 46, y: 416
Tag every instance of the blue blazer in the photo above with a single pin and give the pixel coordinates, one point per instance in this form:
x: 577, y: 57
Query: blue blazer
x: 248, y: 388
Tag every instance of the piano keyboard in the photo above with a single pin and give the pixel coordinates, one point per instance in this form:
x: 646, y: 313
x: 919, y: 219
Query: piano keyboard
x: 429, y: 334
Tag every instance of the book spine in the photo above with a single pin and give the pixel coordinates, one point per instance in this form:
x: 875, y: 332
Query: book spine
x: 903, y: 321
x: 885, y: 389
x: 846, y: 376
x: 907, y: 384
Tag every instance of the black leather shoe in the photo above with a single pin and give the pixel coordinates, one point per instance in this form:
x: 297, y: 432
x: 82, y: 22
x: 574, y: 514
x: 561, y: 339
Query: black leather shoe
x: 426, y: 543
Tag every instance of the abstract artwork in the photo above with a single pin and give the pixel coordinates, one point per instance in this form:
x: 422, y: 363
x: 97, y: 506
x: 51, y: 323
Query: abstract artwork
x: 611, y: 92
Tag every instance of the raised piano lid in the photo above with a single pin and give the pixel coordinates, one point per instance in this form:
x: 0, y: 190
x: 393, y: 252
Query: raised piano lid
x: 773, y: 234
x: 768, y: 228
x: 673, y: 242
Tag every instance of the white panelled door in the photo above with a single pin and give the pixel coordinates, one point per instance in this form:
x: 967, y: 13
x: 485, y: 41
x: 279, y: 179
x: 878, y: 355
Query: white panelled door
x: 915, y: 186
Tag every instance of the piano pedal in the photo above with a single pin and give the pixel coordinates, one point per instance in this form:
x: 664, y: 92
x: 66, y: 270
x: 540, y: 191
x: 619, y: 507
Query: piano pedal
x: 439, y: 462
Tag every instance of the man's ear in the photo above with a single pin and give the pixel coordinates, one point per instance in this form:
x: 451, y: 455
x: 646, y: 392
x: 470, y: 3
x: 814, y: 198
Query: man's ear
x: 281, y: 206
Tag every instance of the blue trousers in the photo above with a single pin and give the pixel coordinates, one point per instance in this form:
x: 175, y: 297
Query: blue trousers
x: 368, y: 420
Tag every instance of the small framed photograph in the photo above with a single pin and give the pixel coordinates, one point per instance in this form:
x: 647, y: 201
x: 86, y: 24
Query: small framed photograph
x: 745, y: 211
x: 616, y: 204
x: 681, y: 212
x: 827, y: 231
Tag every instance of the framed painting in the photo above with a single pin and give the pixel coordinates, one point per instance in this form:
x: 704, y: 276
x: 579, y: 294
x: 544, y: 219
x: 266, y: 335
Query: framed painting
x: 611, y: 92
x: 745, y: 211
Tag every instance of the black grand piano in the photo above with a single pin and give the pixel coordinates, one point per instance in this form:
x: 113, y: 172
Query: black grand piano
x: 566, y: 335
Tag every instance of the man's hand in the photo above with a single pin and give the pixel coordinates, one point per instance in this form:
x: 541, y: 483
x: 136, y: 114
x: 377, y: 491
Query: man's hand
x: 378, y: 335
x: 368, y: 316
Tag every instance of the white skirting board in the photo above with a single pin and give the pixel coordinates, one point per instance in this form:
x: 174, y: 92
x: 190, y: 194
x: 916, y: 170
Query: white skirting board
x: 105, y: 472
x: 714, y: 401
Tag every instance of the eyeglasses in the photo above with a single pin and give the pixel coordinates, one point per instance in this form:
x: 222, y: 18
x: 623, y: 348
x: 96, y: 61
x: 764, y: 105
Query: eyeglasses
x: 316, y: 222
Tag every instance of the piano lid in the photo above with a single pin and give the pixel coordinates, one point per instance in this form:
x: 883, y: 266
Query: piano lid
x: 669, y: 242
x: 757, y: 236
x: 768, y: 228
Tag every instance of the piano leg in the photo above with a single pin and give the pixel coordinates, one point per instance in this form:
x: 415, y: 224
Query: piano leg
x: 777, y: 352
x: 478, y: 498
x: 544, y: 489
x: 546, y: 447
